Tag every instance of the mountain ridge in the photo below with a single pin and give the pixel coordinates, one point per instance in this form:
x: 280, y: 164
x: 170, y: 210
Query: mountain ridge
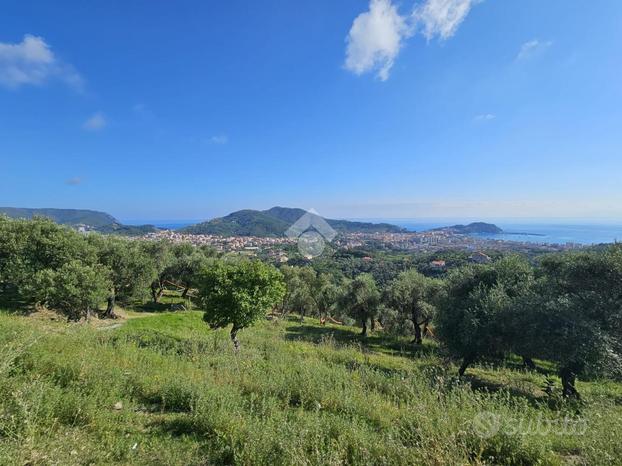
x: 275, y: 222
x: 92, y: 220
x: 472, y: 228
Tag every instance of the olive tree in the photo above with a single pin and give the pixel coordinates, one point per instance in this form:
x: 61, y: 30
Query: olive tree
x: 185, y: 266
x: 413, y: 294
x: 297, y: 296
x: 31, y: 246
x: 361, y: 299
x: 74, y: 289
x: 238, y: 294
x: 324, y: 294
x: 476, y: 312
x: 133, y: 270
x: 574, y: 315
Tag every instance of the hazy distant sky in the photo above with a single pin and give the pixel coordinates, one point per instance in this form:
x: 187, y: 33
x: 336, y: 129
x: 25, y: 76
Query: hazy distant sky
x: 435, y: 108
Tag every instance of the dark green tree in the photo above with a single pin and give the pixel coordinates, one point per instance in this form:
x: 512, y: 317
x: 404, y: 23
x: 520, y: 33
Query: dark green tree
x: 574, y: 315
x: 475, y: 315
x: 238, y: 294
x: 361, y: 299
x: 413, y: 295
x: 132, y: 269
x: 74, y: 289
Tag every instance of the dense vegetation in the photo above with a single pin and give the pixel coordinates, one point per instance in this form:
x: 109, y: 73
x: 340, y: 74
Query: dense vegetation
x: 166, y: 390
x: 275, y: 222
x: 385, y: 396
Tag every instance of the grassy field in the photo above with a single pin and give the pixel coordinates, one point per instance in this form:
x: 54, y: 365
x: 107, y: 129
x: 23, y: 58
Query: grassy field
x: 164, y: 389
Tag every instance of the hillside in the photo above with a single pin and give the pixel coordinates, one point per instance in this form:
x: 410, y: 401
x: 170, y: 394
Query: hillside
x: 472, y: 228
x: 90, y: 219
x: 164, y: 389
x: 275, y: 222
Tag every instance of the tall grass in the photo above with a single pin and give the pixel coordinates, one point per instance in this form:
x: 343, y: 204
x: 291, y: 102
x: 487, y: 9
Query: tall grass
x: 167, y: 390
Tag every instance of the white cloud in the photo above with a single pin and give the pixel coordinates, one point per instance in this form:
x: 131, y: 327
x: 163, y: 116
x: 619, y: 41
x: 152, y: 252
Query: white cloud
x: 220, y: 139
x: 75, y: 181
x: 95, y: 122
x: 485, y: 117
x: 532, y: 48
x: 377, y: 35
x: 32, y: 62
x: 375, y: 39
x: 441, y: 17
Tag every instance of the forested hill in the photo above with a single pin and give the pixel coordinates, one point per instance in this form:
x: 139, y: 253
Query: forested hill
x: 90, y: 219
x: 275, y: 222
x: 472, y: 228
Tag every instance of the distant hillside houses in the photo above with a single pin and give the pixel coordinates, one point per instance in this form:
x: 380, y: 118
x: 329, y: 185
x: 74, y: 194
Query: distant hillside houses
x: 480, y: 258
x: 438, y: 264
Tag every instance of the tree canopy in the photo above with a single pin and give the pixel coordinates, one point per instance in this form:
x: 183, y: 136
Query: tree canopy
x: 239, y: 293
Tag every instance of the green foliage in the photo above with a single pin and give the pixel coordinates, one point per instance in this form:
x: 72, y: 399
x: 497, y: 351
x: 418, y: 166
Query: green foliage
x: 133, y: 268
x: 298, y: 296
x: 239, y: 293
x: 73, y: 289
x: 71, y: 394
x: 361, y: 299
x: 28, y: 247
x: 185, y: 265
x: 574, y: 314
x: 476, y: 310
x: 414, y: 296
x: 324, y: 294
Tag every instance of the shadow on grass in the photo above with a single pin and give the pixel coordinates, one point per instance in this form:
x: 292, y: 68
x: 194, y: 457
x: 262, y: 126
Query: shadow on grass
x: 155, y: 307
x: 375, y: 342
x: 167, y: 303
x: 486, y: 385
x: 180, y: 425
x: 12, y: 302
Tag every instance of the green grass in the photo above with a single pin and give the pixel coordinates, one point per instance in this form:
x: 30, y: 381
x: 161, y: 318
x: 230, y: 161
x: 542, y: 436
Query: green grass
x: 164, y: 389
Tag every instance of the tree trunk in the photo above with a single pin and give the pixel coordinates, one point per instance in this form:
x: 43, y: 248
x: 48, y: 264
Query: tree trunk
x: 155, y: 295
x: 529, y: 364
x: 465, y: 363
x: 110, y: 308
x: 234, y: 338
x: 418, y: 339
x: 568, y: 383
x: 364, y: 327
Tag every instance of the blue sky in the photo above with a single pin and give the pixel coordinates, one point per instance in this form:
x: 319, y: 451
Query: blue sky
x: 426, y: 109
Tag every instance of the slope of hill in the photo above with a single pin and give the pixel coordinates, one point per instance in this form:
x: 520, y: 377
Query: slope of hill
x: 71, y: 217
x: 473, y: 228
x: 275, y: 222
x: 90, y: 219
x: 165, y: 389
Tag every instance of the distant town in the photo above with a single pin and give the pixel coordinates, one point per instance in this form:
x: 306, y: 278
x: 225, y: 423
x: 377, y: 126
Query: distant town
x: 424, y: 242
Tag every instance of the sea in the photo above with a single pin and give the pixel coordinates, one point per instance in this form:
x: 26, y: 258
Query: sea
x: 540, y: 233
